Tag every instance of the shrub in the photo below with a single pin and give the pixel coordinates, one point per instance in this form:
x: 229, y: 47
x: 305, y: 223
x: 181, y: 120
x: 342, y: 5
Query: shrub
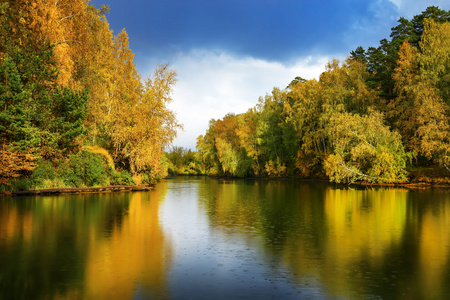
x: 43, y: 171
x: 121, y: 178
x: 84, y: 169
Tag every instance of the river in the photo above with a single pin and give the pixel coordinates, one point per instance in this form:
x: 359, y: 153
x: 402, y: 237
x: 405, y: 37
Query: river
x: 206, y: 238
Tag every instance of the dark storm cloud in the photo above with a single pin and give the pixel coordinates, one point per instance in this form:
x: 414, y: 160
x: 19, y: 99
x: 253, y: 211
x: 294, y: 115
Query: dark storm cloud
x: 268, y: 29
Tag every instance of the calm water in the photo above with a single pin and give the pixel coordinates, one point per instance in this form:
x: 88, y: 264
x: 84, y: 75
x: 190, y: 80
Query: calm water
x: 202, y: 238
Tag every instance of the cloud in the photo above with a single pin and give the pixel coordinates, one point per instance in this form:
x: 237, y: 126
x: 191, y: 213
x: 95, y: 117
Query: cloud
x: 279, y: 30
x: 213, y: 83
x: 410, y: 8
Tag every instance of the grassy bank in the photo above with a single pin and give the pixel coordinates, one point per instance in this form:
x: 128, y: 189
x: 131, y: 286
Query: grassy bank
x: 90, y: 167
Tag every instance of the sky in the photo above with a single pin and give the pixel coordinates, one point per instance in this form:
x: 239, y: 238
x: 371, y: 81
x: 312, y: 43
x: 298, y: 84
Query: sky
x: 228, y: 53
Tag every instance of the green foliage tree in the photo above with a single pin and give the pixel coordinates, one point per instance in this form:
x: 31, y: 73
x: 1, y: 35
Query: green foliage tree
x: 38, y: 115
x: 364, y: 149
x: 382, y: 60
x: 303, y: 111
x: 183, y: 161
x: 354, y: 122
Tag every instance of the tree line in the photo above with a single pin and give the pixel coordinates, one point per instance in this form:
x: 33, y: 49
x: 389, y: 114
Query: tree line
x: 370, y: 118
x: 69, y: 89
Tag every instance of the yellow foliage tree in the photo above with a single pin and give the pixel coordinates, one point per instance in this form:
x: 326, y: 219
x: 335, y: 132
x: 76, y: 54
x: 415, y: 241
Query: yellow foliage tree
x: 63, y: 23
x: 421, y: 110
x: 97, y: 76
x: 144, y: 126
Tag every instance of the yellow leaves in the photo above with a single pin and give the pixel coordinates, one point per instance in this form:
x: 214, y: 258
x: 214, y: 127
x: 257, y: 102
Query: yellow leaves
x: 333, y: 165
x: 43, y: 17
x: 344, y: 87
x: 364, y: 149
x: 102, y: 151
x: 406, y: 71
x: 433, y: 125
x: 420, y: 112
x: 141, y: 124
x: 435, y: 51
x: 275, y: 168
x: 12, y: 163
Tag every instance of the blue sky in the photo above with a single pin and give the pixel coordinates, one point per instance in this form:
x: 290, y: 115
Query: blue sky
x: 228, y: 53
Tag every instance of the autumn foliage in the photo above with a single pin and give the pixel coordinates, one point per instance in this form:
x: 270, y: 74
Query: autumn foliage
x: 369, y: 118
x: 66, y: 81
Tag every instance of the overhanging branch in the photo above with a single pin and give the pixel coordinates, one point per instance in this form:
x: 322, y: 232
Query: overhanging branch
x: 357, y: 173
x: 446, y: 167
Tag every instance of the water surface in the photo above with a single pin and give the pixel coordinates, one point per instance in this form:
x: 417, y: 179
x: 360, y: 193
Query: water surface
x: 203, y: 238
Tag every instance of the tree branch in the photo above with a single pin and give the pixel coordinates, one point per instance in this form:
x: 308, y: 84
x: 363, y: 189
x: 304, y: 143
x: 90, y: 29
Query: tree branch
x: 357, y: 173
x: 446, y: 167
x: 71, y: 16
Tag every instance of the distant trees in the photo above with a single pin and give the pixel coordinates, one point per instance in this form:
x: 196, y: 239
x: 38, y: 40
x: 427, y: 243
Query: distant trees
x: 182, y: 161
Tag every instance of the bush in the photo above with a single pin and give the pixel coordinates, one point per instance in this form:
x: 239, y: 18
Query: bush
x: 84, y: 169
x: 121, y: 178
x: 44, y: 171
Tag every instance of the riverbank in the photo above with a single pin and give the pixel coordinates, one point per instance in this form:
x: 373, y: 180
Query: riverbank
x: 416, y: 183
x: 105, y: 189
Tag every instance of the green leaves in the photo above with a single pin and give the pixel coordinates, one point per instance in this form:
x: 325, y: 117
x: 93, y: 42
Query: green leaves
x: 364, y: 149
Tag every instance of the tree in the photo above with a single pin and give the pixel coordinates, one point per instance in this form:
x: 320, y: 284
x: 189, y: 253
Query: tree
x: 364, y: 149
x: 404, y: 31
x: 62, y: 23
x: 433, y: 92
x: 434, y: 57
x: 296, y: 80
x: 39, y: 115
x: 143, y: 127
x: 97, y: 74
x: 232, y: 156
x: 270, y: 132
x: 247, y: 133
x: 402, y: 110
x: 13, y: 164
x: 432, y: 12
x: 303, y: 111
x: 420, y: 111
x: 359, y: 53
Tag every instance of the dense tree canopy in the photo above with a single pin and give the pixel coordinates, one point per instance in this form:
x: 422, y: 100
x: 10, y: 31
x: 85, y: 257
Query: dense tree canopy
x: 67, y: 82
x: 365, y: 119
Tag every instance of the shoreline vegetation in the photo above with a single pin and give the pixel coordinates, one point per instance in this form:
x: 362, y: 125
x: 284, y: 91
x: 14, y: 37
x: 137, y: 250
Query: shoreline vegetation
x: 148, y: 187
x: 382, y: 116
x: 76, y: 114
x: 74, y: 111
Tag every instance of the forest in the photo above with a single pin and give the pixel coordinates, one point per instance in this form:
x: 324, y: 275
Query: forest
x: 74, y: 110
x: 380, y: 116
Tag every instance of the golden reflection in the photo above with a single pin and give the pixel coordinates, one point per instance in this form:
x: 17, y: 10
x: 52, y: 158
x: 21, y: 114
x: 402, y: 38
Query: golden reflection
x: 435, y: 247
x: 234, y: 206
x: 84, y: 247
x: 348, y: 240
x: 364, y: 225
x: 14, y: 224
x: 134, y: 257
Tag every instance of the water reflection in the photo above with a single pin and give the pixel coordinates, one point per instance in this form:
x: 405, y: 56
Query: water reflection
x: 82, y: 247
x: 204, y: 238
x: 134, y: 259
x: 348, y: 243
